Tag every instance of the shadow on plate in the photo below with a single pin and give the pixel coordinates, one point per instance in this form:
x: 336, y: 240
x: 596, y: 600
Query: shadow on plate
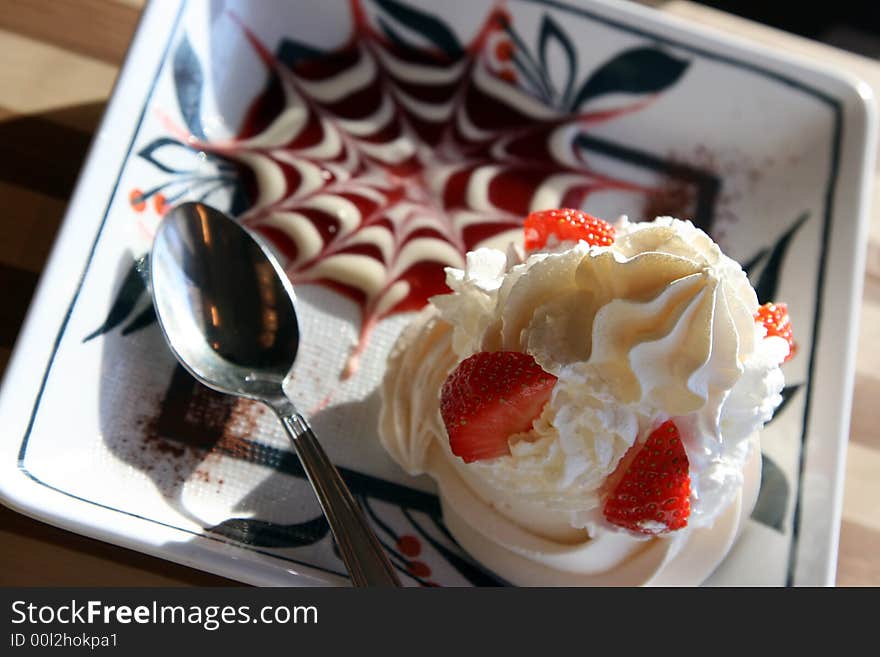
x: 208, y: 456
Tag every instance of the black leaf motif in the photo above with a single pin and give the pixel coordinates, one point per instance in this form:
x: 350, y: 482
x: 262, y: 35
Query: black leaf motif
x: 773, y: 497
x: 291, y: 52
x: 472, y: 572
x: 787, y: 394
x: 753, y: 262
x: 432, y: 28
x: 269, y: 534
x: 550, y: 31
x: 132, y: 290
x: 395, y: 37
x: 475, y: 574
x: 768, y: 282
x: 144, y: 319
x: 188, y: 82
x: 240, y: 200
x: 149, y: 153
x: 636, y: 71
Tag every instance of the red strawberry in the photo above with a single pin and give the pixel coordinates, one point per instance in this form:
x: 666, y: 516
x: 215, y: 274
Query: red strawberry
x: 774, y: 317
x: 652, y: 496
x: 488, y: 398
x: 566, y: 224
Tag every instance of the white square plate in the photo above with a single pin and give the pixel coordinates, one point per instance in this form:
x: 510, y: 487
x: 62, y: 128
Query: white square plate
x: 103, y: 435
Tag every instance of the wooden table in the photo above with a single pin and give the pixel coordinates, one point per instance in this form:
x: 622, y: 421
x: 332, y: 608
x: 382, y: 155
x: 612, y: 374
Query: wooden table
x: 74, y: 48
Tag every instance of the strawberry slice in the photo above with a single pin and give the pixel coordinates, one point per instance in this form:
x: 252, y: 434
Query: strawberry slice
x: 774, y: 317
x: 652, y: 493
x: 488, y: 398
x: 567, y: 225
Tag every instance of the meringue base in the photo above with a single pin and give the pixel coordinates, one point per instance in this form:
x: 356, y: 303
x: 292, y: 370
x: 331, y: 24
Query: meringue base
x: 525, y: 558
x: 518, y: 538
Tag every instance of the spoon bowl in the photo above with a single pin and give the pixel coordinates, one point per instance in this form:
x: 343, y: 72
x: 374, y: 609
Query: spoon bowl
x: 226, y: 308
x: 224, y: 303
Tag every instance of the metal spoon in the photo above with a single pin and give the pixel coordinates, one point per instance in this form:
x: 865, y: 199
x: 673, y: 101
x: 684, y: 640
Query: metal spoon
x: 226, y: 309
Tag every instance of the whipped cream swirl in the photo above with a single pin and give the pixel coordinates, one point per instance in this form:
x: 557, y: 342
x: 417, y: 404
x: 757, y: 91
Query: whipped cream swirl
x: 660, y: 325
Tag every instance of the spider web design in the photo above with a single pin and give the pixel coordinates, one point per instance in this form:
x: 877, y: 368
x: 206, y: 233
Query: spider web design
x: 377, y: 165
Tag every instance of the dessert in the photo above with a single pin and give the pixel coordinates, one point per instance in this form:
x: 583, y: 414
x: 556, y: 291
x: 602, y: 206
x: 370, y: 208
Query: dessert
x: 590, y: 407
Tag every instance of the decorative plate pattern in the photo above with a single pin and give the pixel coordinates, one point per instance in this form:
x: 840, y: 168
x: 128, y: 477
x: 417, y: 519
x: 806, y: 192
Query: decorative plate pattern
x: 389, y: 138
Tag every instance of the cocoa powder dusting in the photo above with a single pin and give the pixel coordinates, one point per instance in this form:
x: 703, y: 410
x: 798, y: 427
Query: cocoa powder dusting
x: 677, y: 194
x: 194, y: 427
x: 674, y: 198
x: 239, y: 430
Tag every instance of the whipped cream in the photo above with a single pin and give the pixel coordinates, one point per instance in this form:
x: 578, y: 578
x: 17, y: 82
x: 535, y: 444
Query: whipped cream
x: 660, y: 325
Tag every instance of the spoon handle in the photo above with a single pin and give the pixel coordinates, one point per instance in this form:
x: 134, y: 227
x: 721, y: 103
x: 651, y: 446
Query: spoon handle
x: 364, y: 557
